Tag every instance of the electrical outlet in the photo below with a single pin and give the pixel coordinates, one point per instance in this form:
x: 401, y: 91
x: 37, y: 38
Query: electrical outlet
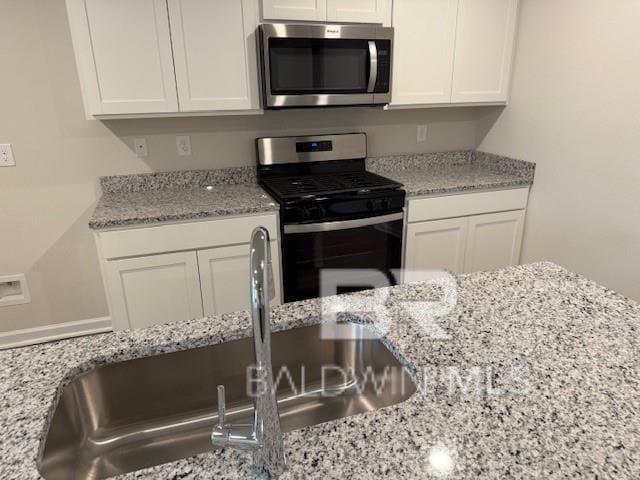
x: 6, y: 156
x: 183, y: 144
x: 140, y: 147
x: 422, y: 133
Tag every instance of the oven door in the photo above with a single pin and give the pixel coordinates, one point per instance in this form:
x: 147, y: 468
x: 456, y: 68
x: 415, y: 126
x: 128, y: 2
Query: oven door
x: 321, y: 65
x: 372, y: 245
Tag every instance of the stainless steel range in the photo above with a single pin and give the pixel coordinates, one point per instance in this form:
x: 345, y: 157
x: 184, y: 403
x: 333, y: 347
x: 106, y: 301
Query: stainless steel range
x: 334, y: 213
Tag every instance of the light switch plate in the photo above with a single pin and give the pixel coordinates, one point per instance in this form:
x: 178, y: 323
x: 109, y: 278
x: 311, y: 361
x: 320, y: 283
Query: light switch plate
x: 6, y: 156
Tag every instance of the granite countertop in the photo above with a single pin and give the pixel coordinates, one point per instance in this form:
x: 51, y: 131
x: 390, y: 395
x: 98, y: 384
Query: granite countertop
x: 454, y: 172
x: 178, y: 196
x: 183, y: 195
x: 155, y: 206
x: 558, y: 351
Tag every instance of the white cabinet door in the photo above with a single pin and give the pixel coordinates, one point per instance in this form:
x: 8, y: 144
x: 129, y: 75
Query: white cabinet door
x: 484, y: 50
x: 156, y: 289
x: 364, y: 11
x: 435, y: 245
x: 214, y: 48
x: 123, y: 52
x: 424, y: 43
x: 224, y: 276
x: 312, y: 10
x: 494, y: 241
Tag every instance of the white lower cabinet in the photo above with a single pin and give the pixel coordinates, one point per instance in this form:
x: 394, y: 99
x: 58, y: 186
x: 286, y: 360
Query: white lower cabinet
x: 224, y: 277
x: 494, y: 241
x: 156, y: 289
x: 167, y: 273
x: 437, y: 245
x: 472, y: 240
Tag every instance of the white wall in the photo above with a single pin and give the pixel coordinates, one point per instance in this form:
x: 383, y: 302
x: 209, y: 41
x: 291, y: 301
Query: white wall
x: 45, y: 201
x: 575, y: 110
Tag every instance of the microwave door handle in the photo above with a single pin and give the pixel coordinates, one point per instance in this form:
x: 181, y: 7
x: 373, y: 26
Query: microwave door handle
x: 373, y: 66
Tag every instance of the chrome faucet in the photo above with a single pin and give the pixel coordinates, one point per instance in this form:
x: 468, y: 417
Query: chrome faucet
x: 263, y: 436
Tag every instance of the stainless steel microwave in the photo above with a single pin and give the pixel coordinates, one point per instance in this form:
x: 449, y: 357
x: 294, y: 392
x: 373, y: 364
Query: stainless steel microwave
x: 316, y: 65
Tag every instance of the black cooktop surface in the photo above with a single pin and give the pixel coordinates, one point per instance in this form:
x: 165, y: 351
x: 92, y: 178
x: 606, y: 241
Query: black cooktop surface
x: 306, y: 186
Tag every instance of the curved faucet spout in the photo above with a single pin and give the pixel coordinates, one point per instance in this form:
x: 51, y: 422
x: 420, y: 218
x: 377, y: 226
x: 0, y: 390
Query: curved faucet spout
x: 264, y: 436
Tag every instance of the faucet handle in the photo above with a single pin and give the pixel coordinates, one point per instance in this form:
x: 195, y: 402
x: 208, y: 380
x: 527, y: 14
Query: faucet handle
x: 221, y: 406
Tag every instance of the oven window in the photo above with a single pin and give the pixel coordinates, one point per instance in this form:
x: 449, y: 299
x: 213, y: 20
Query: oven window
x: 301, y: 66
x: 377, y: 247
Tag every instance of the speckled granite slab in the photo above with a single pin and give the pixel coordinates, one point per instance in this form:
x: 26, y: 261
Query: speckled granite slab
x: 175, y: 204
x: 175, y: 196
x: 178, y: 179
x: 560, y: 398
x: 452, y: 172
x: 181, y: 196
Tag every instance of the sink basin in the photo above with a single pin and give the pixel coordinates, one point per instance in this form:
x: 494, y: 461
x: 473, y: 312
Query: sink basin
x: 130, y: 415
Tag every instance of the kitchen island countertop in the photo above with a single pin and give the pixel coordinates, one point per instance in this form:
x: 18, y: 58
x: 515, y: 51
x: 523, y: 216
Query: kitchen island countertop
x: 560, y: 400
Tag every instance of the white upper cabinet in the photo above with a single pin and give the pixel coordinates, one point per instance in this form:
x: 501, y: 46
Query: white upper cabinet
x: 310, y: 10
x: 214, y: 48
x: 484, y: 50
x: 123, y: 53
x: 339, y: 11
x: 452, y: 51
x: 425, y: 34
x: 365, y: 11
x: 140, y: 58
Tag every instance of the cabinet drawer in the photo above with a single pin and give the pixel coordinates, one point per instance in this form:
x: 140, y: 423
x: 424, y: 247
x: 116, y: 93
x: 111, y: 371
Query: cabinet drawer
x: 183, y: 236
x: 450, y: 206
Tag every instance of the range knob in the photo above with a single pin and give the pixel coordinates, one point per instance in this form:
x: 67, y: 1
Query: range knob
x: 317, y: 213
x: 375, y: 205
x: 313, y: 212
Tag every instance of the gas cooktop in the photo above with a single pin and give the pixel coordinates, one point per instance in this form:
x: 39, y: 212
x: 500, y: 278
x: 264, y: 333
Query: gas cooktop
x: 299, y: 187
x: 324, y: 179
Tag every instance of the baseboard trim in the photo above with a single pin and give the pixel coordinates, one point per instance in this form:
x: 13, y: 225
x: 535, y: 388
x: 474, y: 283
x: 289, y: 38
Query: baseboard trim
x: 50, y: 333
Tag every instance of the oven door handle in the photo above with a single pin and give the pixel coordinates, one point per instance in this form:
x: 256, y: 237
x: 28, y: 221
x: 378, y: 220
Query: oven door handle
x: 342, y: 225
x: 373, y: 66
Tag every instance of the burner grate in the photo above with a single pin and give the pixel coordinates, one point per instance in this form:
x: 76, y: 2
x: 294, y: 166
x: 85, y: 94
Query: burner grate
x: 313, y: 185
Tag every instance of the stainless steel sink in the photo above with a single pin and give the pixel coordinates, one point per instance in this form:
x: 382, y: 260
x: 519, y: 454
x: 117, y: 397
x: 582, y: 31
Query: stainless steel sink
x: 130, y: 415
